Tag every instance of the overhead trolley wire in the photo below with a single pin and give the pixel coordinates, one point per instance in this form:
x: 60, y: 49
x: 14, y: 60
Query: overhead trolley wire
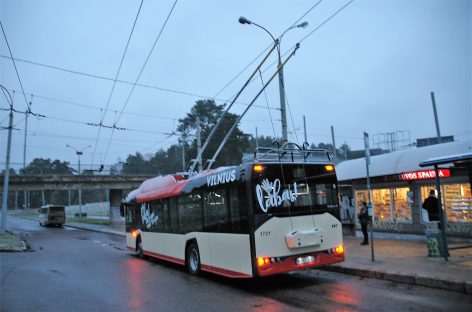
x: 14, y: 65
x: 94, y: 107
x: 84, y: 122
x: 139, y: 76
x: 114, y: 81
x: 200, y: 96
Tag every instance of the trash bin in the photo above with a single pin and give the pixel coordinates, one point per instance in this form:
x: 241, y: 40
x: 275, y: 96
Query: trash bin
x: 434, y: 239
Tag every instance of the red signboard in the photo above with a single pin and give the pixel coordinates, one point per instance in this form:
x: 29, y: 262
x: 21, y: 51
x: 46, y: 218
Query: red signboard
x: 425, y: 174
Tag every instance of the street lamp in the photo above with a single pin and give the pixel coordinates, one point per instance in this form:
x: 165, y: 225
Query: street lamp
x: 283, y: 112
x: 79, y: 152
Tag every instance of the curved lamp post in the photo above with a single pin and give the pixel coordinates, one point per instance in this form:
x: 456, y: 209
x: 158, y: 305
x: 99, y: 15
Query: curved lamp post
x: 283, y: 112
x: 79, y: 152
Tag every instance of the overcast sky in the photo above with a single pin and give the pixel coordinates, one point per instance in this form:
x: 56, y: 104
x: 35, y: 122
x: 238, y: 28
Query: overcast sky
x: 369, y: 68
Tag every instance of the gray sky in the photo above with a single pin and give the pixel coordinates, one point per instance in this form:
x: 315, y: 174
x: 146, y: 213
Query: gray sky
x: 370, y: 68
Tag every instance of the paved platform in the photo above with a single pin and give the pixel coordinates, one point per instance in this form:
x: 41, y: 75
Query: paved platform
x: 398, y: 258
x: 407, y: 261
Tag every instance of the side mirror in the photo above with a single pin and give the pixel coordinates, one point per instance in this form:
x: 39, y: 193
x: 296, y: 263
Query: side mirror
x: 122, y: 210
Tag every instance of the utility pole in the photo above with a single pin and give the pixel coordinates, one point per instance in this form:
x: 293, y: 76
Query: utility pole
x: 280, y: 68
x: 25, y: 193
x: 369, y: 205
x: 438, y: 133
x: 283, y: 110
x: 7, y: 167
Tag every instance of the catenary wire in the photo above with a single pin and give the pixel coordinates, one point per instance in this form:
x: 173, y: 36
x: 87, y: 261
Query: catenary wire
x: 139, y: 75
x: 116, y: 78
x: 200, y: 96
x: 14, y: 64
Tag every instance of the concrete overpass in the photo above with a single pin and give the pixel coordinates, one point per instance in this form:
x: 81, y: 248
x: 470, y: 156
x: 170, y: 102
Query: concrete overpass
x: 116, y: 186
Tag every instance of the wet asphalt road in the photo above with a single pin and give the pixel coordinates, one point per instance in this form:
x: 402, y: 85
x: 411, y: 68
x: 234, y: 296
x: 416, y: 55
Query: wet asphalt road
x: 74, y: 270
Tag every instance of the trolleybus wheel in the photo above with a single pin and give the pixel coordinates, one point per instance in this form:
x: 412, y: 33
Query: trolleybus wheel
x: 139, y: 248
x: 193, y: 259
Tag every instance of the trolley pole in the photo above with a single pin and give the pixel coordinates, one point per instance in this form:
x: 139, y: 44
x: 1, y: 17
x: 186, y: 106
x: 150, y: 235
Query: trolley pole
x: 199, y: 146
x: 334, y: 143
x: 369, y: 205
x: 304, y: 129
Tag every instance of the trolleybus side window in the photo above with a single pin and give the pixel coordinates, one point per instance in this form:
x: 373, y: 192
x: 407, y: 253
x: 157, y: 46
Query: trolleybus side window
x: 239, y: 212
x: 174, y: 215
x: 216, y: 210
x: 158, y: 208
x: 190, y: 212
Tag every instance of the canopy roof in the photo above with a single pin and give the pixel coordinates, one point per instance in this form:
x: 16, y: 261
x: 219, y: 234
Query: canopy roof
x: 457, y: 159
x: 400, y: 161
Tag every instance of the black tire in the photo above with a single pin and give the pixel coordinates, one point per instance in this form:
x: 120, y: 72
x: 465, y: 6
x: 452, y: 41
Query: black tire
x: 193, y: 259
x: 139, y: 248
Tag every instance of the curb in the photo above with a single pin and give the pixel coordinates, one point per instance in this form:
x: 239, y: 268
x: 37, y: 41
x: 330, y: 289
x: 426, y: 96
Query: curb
x: 95, y: 230
x: 462, y: 287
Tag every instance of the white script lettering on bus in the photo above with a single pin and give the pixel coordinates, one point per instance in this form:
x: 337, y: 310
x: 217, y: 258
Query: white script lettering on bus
x: 221, y: 178
x: 148, y: 217
x: 273, y: 198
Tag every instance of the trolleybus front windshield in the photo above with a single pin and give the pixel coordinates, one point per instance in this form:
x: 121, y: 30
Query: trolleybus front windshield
x: 291, y: 190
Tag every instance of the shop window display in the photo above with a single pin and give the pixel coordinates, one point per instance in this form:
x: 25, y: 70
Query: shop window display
x: 402, y: 199
x: 381, y: 201
x: 458, y: 203
x: 457, y: 200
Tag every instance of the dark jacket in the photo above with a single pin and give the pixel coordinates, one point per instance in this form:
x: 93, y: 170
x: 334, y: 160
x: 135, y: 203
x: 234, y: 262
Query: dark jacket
x: 363, y: 215
x: 431, y: 205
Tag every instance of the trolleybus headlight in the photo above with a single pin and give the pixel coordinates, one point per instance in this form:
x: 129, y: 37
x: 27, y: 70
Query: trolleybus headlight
x: 329, y: 167
x: 134, y: 233
x: 258, y: 168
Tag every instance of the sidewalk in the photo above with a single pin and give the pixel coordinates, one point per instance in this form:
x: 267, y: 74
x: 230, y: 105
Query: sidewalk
x: 406, y: 261
x: 402, y: 260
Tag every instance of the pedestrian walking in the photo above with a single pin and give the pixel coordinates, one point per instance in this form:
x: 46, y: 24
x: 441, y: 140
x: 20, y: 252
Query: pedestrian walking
x: 363, y: 216
x: 431, y: 205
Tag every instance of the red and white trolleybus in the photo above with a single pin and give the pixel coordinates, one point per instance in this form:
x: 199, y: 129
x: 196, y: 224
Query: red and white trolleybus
x: 276, y: 212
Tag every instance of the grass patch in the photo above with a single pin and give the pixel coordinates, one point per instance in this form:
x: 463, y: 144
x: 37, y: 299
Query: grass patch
x: 11, y: 242
x: 87, y: 221
x: 26, y: 215
x: 35, y: 217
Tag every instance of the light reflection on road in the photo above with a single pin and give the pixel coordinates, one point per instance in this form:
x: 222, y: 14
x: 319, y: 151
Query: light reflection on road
x: 134, y: 273
x: 344, y: 294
